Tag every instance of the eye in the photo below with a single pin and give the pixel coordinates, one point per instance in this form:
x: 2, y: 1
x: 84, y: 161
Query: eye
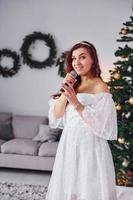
x: 73, y: 58
x: 83, y: 57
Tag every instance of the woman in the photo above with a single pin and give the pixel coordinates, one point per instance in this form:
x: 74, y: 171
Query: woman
x: 83, y: 168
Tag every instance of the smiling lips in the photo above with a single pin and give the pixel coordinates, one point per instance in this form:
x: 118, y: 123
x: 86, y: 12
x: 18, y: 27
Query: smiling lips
x: 79, y: 68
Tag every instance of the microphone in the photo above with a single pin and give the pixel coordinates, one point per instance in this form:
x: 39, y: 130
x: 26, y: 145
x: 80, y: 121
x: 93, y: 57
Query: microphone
x: 74, y: 74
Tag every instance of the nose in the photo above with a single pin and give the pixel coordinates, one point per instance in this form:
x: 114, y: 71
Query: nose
x: 77, y: 62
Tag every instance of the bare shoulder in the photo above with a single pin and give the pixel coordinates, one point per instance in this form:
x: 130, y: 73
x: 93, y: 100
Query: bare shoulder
x: 100, y: 86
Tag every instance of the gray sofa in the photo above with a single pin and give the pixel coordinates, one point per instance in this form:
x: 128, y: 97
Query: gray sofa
x: 27, y: 142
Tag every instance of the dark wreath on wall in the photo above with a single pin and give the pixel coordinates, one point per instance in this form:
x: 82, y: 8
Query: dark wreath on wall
x: 6, y: 71
x: 31, y: 39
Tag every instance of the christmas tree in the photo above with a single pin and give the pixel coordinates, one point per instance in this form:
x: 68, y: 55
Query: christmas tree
x: 121, y: 86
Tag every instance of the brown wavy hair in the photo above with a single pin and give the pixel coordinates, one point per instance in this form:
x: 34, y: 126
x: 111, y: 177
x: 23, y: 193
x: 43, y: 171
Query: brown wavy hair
x: 95, y: 68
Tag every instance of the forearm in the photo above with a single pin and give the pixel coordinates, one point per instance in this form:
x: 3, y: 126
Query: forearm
x: 79, y: 108
x: 60, y: 106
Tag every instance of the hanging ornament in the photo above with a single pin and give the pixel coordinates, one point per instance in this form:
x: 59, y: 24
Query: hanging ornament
x: 106, y: 80
x: 121, y: 140
x: 118, y: 107
x: 131, y: 100
x: 122, y: 180
x: 125, y: 163
x: 61, y: 60
x: 116, y: 75
x: 124, y: 31
x: 129, y: 69
x: 124, y: 56
x: 127, y: 115
x: 130, y: 172
x: 109, y: 87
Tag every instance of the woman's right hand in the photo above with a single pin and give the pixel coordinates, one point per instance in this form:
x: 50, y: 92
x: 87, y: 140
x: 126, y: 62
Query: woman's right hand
x: 69, y: 79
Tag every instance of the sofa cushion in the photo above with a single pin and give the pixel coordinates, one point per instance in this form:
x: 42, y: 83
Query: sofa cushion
x: 46, y: 133
x: 57, y: 132
x: 1, y: 142
x: 48, y: 149
x: 6, y: 131
x: 20, y: 146
x: 5, y: 117
x: 27, y: 126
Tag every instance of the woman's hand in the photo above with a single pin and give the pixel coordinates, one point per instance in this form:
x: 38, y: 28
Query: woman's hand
x: 69, y: 92
x: 70, y: 95
x: 67, y: 88
x: 69, y: 79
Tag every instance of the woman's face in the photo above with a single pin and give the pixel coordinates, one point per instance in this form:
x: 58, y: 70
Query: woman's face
x: 81, y: 61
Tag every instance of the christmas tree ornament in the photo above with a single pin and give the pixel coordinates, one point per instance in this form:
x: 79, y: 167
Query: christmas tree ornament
x: 124, y: 31
x: 118, y: 107
x: 121, y: 140
x: 125, y: 163
x: 130, y: 177
x: 131, y: 100
x: 106, y: 80
x: 129, y: 69
x: 127, y: 115
x: 61, y: 60
x: 124, y: 56
x: 116, y: 75
x: 130, y: 172
x: 122, y: 180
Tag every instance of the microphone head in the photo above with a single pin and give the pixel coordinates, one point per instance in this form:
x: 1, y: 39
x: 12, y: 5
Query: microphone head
x: 73, y: 73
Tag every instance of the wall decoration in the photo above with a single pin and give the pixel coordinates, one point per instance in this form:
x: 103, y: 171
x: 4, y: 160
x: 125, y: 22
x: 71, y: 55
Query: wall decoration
x: 6, y: 71
x: 30, y: 40
x: 60, y: 64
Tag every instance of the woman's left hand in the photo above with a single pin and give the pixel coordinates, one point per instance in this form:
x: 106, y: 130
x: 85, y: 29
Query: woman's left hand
x: 70, y: 94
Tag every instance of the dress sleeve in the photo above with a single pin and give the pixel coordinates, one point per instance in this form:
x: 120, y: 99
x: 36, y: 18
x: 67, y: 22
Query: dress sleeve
x: 54, y: 122
x: 101, y: 117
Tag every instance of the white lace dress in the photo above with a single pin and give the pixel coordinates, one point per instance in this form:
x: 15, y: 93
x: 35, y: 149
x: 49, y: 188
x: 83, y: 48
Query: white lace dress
x: 83, y: 168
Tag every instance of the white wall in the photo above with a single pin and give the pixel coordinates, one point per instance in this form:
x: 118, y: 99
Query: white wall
x: 69, y: 21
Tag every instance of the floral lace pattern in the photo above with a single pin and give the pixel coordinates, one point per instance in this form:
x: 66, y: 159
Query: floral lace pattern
x: 83, y: 160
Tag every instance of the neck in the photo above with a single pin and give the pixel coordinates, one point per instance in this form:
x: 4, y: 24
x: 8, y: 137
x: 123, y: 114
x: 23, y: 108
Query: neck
x: 86, y: 78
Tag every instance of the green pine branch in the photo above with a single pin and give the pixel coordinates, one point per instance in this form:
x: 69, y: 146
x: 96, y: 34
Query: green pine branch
x: 124, y: 51
x: 125, y: 39
x: 129, y: 23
